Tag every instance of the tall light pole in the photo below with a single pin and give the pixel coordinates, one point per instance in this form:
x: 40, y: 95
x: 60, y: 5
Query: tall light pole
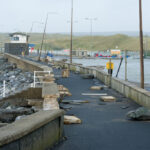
x: 91, y: 27
x: 71, y: 31
x: 141, y: 44
x: 43, y: 37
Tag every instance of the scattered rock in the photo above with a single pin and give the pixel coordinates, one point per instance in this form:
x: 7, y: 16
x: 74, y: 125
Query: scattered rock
x: 14, y: 77
x: 9, y: 115
x: 141, y: 114
x: 96, y: 88
x: 108, y: 98
x: 71, y: 120
x: 124, y: 107
x: 74, y: 101
x: 65, y: 73
x: 20, y: 117
x: 3, y: 124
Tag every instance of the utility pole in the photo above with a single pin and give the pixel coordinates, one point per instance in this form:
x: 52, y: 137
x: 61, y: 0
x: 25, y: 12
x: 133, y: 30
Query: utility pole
x: 43, y: 37
x: 141, y: 45
x: 71, y: 31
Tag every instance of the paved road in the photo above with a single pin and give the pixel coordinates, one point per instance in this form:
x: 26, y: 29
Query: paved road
x: 104, y: 127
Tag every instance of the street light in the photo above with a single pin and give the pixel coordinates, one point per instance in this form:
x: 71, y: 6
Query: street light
x: 91, y: 26
x: 44, y: 33
x: 141, y: 44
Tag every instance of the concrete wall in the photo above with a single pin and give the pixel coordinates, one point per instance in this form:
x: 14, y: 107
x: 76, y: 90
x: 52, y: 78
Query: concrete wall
x: 140, y: 96
x: 26, y: 65
x: 35, y: 132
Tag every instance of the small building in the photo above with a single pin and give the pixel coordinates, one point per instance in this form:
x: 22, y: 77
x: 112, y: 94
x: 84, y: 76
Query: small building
x: 18, y: 44
x: 115, y: 52
x: 80, y: 53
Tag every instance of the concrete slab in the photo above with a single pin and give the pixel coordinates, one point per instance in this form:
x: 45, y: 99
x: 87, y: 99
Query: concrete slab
x: 50, y: 89
x: 108, y: 98
x: 96, y: 88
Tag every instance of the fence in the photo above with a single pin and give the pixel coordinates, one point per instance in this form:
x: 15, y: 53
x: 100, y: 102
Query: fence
x: 3, y: 89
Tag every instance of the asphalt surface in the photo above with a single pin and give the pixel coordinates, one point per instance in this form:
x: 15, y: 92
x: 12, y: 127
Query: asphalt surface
x: 104, y: 125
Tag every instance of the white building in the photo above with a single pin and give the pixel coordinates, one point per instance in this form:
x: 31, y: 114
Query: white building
x: 19, y: 37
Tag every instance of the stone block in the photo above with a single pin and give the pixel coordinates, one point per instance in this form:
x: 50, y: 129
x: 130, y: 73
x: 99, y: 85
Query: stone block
x: 65, y: 73
x: 96, y: 88
x: 50, y: 104
x: 50, y: 89
x: 108, y: 98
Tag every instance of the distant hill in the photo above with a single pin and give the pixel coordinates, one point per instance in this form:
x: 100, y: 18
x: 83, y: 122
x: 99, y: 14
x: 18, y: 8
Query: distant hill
x: 97, y: 43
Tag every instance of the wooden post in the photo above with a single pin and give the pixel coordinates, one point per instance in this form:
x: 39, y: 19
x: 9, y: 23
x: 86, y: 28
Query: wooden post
x: 125, y: 65
x: 141, y: 45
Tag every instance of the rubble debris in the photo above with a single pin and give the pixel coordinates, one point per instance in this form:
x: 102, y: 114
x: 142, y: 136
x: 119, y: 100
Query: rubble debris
x: 87, y: 76
x: 108, y: 98
x: 9, y: 115
x: 15, y: 78
x: 20, y: 117
x: 63, y: 91
x: 3, y: 124
x: 96, y: 88
x: 124, y: 107
x: 140, y: 114
x: 74, y: 101
x: 33, y: 102
x: 65, y: 73
x: 94, y: 94
x: 50, y: 103
x: 49, y: 78
x: 71, y: 120
x: 65, y: 108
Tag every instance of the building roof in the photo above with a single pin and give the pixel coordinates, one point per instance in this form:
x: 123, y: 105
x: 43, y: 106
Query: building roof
x: 18, y: 33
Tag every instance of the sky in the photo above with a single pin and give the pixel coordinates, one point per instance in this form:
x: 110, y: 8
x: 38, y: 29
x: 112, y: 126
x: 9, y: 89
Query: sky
x: 112, y: 15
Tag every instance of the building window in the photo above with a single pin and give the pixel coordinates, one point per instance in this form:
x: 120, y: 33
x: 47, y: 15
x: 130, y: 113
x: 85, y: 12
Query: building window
x: 16, y: 38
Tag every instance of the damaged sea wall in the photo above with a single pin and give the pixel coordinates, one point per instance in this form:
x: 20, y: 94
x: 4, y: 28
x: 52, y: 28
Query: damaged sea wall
x: 38, y: 131
x: 26, y: 65
x: 139, y: 95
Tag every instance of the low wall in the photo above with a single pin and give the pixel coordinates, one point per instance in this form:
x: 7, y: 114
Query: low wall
x: 26, y: 65
x: 139, y: 95
x: 35, y: 132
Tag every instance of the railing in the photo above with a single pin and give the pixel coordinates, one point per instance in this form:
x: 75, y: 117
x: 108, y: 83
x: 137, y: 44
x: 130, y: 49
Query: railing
x: 3, y: 89
x: 39, y: 77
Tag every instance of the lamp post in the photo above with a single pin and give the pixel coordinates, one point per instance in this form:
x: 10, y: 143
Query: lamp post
x: 43, y: 37
x: 141, y: 44
x: 91, y: 26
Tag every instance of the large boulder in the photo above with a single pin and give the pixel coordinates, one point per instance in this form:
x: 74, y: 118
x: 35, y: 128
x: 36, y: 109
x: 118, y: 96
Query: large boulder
x: 141, y: 114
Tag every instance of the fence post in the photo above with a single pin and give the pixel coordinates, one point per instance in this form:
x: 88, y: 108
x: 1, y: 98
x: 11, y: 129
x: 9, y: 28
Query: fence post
x: 34, y: 80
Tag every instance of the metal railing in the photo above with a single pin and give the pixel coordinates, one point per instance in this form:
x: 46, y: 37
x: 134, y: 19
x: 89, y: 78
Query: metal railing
x: 3, y: 89
x: 39, y: 77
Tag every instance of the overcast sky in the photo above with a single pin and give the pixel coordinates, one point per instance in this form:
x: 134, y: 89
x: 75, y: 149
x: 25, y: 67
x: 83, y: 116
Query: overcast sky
x: 113, y: 15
